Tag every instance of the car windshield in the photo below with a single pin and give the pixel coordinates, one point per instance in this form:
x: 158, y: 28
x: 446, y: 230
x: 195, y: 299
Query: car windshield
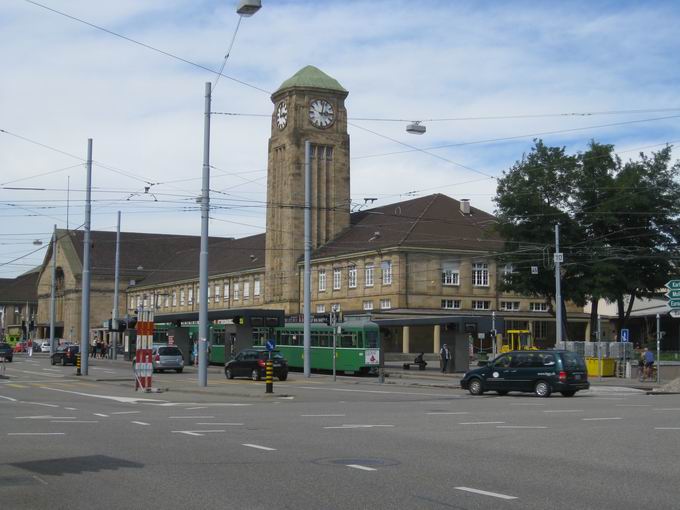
x: 572, y: 361
x: 169, y: 351
x: 265, y: 355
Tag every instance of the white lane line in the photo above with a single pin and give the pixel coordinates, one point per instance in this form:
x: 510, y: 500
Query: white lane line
x: 381, y: 392
x: 73, y: 421
x: 602, y: 419
x: 321, y: 415
x: 357, y: 426
x: 45, y: 417
x: 124, y: 400
x: 632, y: 405
x: 485, y: 493
x: 215, y: 404
x: 666, y: 428
x: 565, y: 411
x: 41, y: 373
x: 666, y: 409
x: 521, y: 427
x: 9, y: 398
x: 103, y: 370
x: 526, y: 404
x: 70, y: 408
x: 140, y: 423
x: 482, y: 423
x: 190, y: 417
x: 52, y: 369
x: 101, y: 414
x: 363, y: 468
x: 231, y: 424
x: 36, y: 433
x: 39, y: 404
x: 195, y: 432
x: 259, y: 447
x: 126, y: 412
x: 195, y: 408
x: 437, y: 412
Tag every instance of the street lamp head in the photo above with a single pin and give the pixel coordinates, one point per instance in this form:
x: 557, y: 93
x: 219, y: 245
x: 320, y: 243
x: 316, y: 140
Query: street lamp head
x: 416, y: 128
x: 247, y: 8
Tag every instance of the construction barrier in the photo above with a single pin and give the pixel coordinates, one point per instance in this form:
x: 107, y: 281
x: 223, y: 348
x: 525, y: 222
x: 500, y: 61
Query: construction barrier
x: 608, y: 367
x: 269, y: 376
x: 143, y: 360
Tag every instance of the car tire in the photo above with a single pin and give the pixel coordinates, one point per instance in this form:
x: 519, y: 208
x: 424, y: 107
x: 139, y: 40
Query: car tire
x: 179, y: 370
x: 542, y: 389
x: 63, y: 362
x: 283, y: 376
x: 228, y: 373
x: 255, y: 375
x: 569, y: 393
x: 475, y: 386
x: 502, y: 393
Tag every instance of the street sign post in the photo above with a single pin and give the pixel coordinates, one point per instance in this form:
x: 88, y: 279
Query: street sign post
x: 270, y: 345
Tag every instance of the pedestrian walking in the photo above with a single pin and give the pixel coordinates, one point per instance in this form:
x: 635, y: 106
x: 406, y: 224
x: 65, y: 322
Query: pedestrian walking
x: 445, y: 356
x: 648, y: 357
x: 29, y: 346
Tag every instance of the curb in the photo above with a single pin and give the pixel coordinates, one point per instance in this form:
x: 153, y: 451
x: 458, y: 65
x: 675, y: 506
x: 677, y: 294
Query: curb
x: 657, y: 392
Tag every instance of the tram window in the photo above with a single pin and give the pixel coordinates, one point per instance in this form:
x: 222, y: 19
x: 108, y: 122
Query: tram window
x: 348, y: 340
x: 371, y: 339
x: 294, y: 339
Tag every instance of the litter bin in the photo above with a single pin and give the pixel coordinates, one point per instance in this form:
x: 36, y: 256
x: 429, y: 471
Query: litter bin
x: 608, y: 367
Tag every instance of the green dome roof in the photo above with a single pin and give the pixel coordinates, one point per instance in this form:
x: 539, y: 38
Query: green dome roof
x: 311, y: 77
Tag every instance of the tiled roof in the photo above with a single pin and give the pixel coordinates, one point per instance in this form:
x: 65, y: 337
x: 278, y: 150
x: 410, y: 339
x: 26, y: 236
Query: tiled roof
x: 22, y: 289
x: 430, y: 222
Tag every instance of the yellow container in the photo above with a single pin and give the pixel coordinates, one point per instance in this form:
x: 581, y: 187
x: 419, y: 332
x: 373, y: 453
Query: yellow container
x: 593, y: 367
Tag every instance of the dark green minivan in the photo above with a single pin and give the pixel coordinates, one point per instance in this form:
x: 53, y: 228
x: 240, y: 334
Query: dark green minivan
x: 540, y: 372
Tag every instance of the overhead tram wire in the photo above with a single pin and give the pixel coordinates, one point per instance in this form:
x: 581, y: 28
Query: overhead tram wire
x: 2, y: 184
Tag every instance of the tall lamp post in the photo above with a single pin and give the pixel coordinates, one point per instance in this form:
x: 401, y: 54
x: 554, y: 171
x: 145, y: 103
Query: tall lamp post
x: 245, y: 8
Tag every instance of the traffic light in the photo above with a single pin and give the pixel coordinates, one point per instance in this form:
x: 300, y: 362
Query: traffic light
x: 239, y: 320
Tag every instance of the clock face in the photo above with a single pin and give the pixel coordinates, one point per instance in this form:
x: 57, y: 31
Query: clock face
x: 282, y: 115
x: 321, y: 113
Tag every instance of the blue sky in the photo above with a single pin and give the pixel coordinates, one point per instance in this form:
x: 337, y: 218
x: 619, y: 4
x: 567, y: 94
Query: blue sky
x: 63, y: 82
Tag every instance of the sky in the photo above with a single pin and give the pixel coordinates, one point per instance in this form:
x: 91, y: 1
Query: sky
x: 485, y: 77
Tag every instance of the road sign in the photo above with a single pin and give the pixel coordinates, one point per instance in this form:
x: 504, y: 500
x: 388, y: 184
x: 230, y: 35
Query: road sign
x: 675, y: 314
x: 673, y: 294
x: 534, y: 269
x: 270, y: 345
x: 673, y: 284
x: 372, y: 356
x: 674, y: 303
x: 625, y: 335
x: 559, y: 257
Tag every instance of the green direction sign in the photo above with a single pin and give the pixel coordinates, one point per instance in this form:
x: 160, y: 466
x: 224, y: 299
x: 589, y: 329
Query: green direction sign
x: 673, y: 284
x: 674, y: 303
x: 673, y: 294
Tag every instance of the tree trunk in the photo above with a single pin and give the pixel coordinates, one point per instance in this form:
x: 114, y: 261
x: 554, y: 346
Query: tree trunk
x: 565, y: 322
x: 593, y: 318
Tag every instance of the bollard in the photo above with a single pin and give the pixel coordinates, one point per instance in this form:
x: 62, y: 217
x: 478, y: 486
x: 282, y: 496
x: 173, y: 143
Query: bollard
x: 269, y: 376
x: 78, y: 364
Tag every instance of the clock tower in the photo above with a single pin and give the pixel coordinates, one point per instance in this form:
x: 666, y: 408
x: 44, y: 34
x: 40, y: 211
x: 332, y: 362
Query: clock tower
x: 308, y: 106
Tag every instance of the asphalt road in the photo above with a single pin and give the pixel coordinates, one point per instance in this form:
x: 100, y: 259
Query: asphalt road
x: 79, y: 443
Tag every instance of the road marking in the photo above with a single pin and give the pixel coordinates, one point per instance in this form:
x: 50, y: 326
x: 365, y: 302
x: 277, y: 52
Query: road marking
x: 45, y: 417
x: 126, y: 412
x: 357, y: 426
x: 259, y: 447
x: 102, y: 415
x: 666, y: 409
x: 174, y: 404
x: 482, y: 423
x: 521, y: 427
x: 437, y: 412
x: 232, y: 424
x: 601, y: 419
x: 320, y: 415
x: 485, y: 493
x: 39, y: 404
x: 382, y: 392
x: 633, y: 405
x: 565, y: 411
x: 16, y: 385
x: 195, y: 432
x: 140, y: 422
x: 74, y: 421
x: 526, y: 404
x: 190, y: 417
x: 363, y: 468
x: 195, y: 408
x: 666, y: 428
x: 36, y: 433
x: 70, y: 408
x: 9, y: 398
x: 40, y: 373
x: 52, y: 369
x: 125, y: 400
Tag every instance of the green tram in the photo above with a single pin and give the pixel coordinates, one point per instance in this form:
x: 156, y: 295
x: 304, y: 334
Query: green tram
x: 357, y: 346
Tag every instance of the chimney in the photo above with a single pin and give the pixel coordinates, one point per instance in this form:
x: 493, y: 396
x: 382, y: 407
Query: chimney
x: 465, y: 206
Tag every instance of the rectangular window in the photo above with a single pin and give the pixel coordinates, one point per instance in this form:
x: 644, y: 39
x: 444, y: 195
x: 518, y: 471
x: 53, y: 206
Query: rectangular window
x: 451, y: 304
x: 368, y: 305
x: 246, y: 290
x: 451, y: 272
x: 226, y: 292
x: 510, y: 306
x: 481, y: 305
x: 174, y: 298
x: 256, y: 287
x: 322, y: 280
x: 237, y: 292
x: 480, y: 274
x: 217, y: 293
x: 508, y: 269
x: 337, y: 279
x: 167, y: 300
x: 320, y: 308
x: 385, y: 304
x: 191, y: 295
x: 146, y: 301
x: 336, y: 307
x: 368, y: 275
x: 132, y: 304
x: 538, y: 307
x: 181, y: 297
x: 139, y: 301
x: 352, y: 277
x: 209, y: 293
x: 386, y: 267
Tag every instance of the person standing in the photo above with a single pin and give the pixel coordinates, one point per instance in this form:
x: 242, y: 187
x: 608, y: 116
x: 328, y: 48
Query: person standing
x: 648, y: 356
x: 445, y: 356
x: 29, y: 346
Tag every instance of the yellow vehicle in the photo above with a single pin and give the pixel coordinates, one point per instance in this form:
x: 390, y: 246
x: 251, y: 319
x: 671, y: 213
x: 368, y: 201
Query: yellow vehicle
x: 518, y: 340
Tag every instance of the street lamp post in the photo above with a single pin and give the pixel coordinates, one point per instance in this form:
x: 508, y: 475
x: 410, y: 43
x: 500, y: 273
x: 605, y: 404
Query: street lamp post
x: 245, y: 8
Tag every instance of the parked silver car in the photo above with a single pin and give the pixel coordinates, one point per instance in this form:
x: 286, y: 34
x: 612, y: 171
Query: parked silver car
x: 167, y: 357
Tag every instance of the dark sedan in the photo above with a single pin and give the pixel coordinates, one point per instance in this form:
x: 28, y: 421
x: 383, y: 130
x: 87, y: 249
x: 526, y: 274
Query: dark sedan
x: 66, y: 355
x: 6, y: 351
x: 251, y: 363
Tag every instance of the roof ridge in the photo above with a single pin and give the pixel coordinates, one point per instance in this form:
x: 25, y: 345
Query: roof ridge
x: 415, y: 222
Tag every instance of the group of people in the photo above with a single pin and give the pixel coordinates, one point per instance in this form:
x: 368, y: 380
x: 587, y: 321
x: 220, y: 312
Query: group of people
x: 100, y: 350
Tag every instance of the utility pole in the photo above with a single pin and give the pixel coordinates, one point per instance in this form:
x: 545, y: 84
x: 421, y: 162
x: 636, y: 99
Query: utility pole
x: 53, y: 292
x: 599, y: 345
x: 307, y: 306
x: 203, y: 263
x: 85, y: 308
x: 116, y: 279
x: 658, y: 349
x: 558, y: 285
